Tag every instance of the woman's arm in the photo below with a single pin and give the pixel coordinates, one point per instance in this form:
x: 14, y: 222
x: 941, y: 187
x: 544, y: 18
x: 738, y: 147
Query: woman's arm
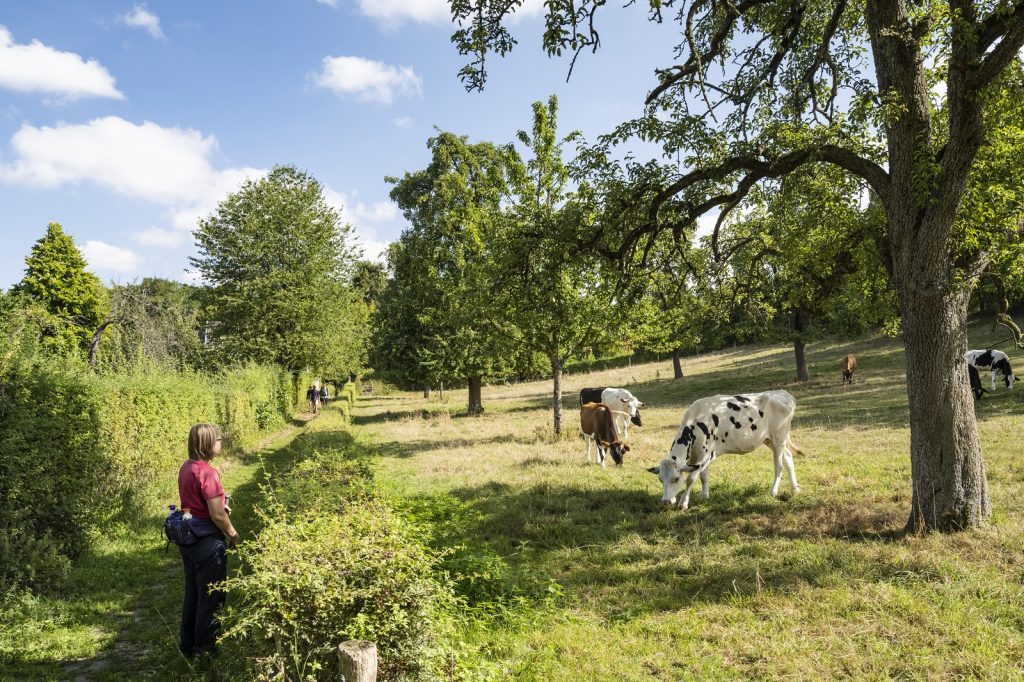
x: 220, y: 517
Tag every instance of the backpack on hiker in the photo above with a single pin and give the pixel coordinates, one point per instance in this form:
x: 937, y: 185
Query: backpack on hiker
x: 178, y: 527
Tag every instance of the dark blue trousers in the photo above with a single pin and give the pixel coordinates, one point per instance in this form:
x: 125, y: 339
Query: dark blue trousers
x: 206, y: 562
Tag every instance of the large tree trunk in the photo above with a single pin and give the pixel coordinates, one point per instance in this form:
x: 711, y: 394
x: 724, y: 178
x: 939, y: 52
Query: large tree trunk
x: 677, y: 365
x: 947, y: 466
x: 426, y: 392
x: 476, y: 405
x: 801, y: 323
x: 94, y: 344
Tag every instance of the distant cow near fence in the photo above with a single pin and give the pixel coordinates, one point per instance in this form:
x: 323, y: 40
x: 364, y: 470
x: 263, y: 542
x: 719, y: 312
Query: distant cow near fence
x: 849, y: 366
x: 598, y: 424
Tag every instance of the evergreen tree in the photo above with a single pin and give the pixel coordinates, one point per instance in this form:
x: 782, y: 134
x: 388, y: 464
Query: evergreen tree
x: 56, y: 278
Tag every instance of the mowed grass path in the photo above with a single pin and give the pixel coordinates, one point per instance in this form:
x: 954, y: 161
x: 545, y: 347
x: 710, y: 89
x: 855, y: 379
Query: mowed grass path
x: 815, y: 586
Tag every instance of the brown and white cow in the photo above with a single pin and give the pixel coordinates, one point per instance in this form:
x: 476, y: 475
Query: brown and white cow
x: 598, y: 424
x: 849, y: 366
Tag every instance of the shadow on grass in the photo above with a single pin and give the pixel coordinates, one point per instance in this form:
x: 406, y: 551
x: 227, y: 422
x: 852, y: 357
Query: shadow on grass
x: 611, y: 543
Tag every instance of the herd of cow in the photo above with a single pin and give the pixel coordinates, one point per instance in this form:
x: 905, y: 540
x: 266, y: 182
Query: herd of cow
x: 725, y: 424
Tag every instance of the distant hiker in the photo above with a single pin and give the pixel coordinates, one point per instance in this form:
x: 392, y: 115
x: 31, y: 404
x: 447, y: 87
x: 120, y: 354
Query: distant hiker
x: 205, y: 561
x: 324, y: 395
x: 311, y: 397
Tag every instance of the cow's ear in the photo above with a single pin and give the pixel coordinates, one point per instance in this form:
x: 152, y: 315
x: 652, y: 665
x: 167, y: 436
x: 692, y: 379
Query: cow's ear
x: 625, y: 448
x: 655, y: 470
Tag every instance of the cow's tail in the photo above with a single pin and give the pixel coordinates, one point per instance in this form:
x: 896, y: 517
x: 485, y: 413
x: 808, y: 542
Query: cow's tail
x: 793, y: 447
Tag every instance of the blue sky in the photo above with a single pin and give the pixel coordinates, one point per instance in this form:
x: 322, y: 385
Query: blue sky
x: 126, y: 121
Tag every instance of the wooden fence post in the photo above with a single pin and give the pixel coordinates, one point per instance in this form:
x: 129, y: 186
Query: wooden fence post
x: 357, y: 660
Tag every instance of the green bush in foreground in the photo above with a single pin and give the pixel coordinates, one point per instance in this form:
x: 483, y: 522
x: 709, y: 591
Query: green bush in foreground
x: 313, y: 581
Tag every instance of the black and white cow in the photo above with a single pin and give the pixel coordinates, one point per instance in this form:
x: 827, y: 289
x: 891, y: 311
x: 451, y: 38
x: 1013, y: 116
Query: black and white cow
x: 975, y: 380
x: 725, y: 424
x: 995, y: 360
x: 625, y: 407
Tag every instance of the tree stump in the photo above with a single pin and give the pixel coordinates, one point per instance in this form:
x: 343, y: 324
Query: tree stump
x: 358, y: 661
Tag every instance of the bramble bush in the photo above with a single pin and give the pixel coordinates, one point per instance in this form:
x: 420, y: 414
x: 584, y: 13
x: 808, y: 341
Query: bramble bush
x: 333, y: 562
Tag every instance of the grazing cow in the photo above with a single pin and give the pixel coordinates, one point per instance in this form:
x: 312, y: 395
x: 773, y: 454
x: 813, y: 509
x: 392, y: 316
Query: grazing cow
x: 597, y: 424
x: 625, y: 407
x: 849, y: 367
x: 975, y: 379
x: 724, y: 424
x: 996, y: 360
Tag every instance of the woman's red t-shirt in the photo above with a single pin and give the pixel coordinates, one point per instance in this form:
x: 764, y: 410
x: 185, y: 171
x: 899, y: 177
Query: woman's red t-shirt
x: 197, y: 483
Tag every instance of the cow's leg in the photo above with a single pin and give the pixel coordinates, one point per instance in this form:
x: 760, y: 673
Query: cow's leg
x: 684, y: 501
x: 791, y: 470
x: 780, y: 454
x: 993, y: 380
x: 588, y: 439
x: 705, y: 488
x: 600, y: 455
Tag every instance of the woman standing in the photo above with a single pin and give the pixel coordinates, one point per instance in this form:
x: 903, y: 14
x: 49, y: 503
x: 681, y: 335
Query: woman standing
x: 205, y: 561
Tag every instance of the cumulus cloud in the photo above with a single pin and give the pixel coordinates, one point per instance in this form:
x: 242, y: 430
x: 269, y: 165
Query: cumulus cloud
x: 157, y: 237
x: 397, y: 12
x: 404, y: 122
x: 39, y: 68
x: 366, y: 79
x: 167, y: 166
x: 140, y: 17
x: 109, y: 258
x: 358, y: 215
x: 329, y: 3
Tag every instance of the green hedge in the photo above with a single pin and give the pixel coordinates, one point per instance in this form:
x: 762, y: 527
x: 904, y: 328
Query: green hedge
x: 333, y: 562
x: 80, y: 451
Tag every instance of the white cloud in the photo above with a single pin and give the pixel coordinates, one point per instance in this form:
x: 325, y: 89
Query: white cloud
x: 329, y: 3
x: 167, y: 166
x: 142, y: 18
x: 193, y: 277
x: 395, y: 12
x: 155, y: 236
x: 404, y: 122
x: 368, y: 80
x: 39, y: 68
x: 109, y: 258
x: 374, y: 247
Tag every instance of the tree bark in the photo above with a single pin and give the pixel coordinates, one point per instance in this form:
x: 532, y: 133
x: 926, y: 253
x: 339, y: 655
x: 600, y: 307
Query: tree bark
x: 94, y: 345
x: 556, y: 393
x: 800, y: 326
x: 947, y: 466
x: 476, y: 406
x: 426, y: 392
x: 677, y: 365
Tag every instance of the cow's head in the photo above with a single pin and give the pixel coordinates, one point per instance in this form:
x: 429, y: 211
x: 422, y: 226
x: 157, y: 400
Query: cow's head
x: 631, y: 406
x: 618, y: 450
x: 673, y: 478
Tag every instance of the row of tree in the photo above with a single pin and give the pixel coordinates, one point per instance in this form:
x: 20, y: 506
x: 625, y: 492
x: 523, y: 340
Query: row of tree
x: 503, y: 270
x: 282, y: 285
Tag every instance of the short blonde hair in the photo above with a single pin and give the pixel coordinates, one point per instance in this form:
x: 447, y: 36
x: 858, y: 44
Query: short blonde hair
x: 201, y: 441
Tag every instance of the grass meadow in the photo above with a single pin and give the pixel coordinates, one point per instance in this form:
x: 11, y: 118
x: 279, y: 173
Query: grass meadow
x: 595, y: 581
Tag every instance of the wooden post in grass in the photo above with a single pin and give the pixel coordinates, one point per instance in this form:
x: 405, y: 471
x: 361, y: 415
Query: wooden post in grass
x: 357, y: 660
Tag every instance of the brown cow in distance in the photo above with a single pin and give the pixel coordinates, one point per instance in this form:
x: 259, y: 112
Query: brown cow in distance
x: 598, y: 424
x: 849, y: 367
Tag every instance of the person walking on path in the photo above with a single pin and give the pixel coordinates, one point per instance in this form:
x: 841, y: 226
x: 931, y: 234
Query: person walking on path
x: 205, y: 561
x: 312, y: 396
x: 323, y: 394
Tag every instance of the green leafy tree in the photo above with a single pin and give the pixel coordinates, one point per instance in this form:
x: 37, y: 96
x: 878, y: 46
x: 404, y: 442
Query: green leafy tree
x: 848, y: 84
x: 56, y: 278
x: 556, y: 295
x: 454, y: 207
x: 278, y: 261
x: 156, y: 319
